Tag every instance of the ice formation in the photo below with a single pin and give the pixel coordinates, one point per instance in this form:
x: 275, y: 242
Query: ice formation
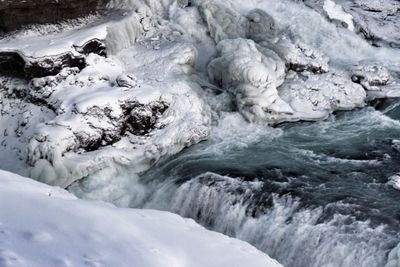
x: 251, y: 76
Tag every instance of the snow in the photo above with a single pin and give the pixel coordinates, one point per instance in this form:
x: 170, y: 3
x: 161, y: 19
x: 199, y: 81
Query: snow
x: 48, y: 226
x: 37, y: 46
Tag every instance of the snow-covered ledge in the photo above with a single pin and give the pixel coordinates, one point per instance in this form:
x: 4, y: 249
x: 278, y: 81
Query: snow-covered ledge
x: 44, y: 226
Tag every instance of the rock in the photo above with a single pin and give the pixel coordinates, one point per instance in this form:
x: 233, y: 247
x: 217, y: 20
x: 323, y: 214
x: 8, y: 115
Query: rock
x: 223, y: 21
x: 376, y: 21
x: 298, y: 56
x: 315, y: 96
x: 260, y: 22
x: 17, y: 13
x: 371, y: 76
x: 252, y: 74
x: 127, y: 80
x: 19, y: 65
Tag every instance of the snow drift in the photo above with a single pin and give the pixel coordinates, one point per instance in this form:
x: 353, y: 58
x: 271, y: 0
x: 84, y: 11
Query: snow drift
x: 47, y: 226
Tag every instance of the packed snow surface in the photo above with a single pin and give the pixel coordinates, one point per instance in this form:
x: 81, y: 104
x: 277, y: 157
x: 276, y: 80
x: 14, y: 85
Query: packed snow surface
x: 46, y: 226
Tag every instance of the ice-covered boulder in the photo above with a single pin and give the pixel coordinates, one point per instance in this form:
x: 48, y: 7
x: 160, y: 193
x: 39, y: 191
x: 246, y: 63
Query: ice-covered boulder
x: 314, y: 97
x: 223, y: 21
x: 97, y: 112
x: 371, y: 77
x: 252, y: 74
x: 297, y: 55
x: 376, y: 21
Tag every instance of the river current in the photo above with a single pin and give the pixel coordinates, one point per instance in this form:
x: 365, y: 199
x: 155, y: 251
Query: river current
x: 308, y: 194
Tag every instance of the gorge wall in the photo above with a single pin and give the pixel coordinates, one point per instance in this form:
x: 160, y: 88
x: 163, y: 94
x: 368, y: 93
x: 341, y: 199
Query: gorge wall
x: 16, y: 13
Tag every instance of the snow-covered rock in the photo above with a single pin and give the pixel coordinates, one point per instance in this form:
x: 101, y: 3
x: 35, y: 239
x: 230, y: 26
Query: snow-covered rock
x: 141, y: 121
x: 314, y: 97
x: 252, y: 76
x: 47, y: 226
x: 335, y: 12
x: 377, y: 21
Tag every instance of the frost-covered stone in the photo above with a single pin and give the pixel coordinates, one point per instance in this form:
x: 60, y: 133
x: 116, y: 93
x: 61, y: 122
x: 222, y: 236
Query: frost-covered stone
x: 154, y: 122
x: 314, y: 97
x: 261, y: 23
x: 377, y: 21
x: 371, y: 77
x: 223, y: 21
x: 128, y: 81
x: 335, y: 13
x: 297, y: 55
x: 252, y: 76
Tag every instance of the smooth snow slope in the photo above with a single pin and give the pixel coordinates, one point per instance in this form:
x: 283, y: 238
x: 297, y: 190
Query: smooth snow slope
x: 46, y: 226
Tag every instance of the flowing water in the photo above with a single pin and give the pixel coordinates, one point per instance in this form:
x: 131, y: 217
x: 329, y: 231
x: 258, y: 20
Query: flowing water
x: 308, y: 194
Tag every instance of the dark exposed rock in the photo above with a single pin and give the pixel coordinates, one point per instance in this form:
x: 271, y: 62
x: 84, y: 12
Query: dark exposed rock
x: 12, y: 63
x: 142, y: 119
x: 16, y: 13
x: 42, y: 67
x: 95, y: 46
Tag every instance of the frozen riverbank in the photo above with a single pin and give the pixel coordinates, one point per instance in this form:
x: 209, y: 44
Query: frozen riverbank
x: 47, y: 226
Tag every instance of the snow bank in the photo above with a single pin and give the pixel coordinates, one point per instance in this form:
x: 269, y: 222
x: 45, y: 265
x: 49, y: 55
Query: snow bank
x: 46, y: 226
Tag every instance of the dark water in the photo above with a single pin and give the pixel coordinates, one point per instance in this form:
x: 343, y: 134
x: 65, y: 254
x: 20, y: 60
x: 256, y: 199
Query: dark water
x: 308, y: 194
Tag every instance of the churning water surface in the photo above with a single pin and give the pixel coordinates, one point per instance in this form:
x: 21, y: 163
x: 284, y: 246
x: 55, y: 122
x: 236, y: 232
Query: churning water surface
x: 308, y: 194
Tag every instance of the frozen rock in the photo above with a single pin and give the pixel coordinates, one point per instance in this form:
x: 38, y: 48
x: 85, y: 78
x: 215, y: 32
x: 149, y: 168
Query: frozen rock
x: 127, y: 80
x: 252, y: 76
x: 314, y: 97
x: 223, y: 21
x: 152, y: 118
x: 261, y: 23
x: 335, y: 12
x: 377, y: 21
x: 297, y: 55
x: 371, y: 77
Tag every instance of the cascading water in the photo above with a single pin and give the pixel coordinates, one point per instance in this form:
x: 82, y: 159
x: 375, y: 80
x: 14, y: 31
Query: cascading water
x: 307, y: 194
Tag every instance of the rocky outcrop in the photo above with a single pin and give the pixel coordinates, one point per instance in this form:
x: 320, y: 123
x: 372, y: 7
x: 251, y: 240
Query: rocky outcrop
x: 16, y: 13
